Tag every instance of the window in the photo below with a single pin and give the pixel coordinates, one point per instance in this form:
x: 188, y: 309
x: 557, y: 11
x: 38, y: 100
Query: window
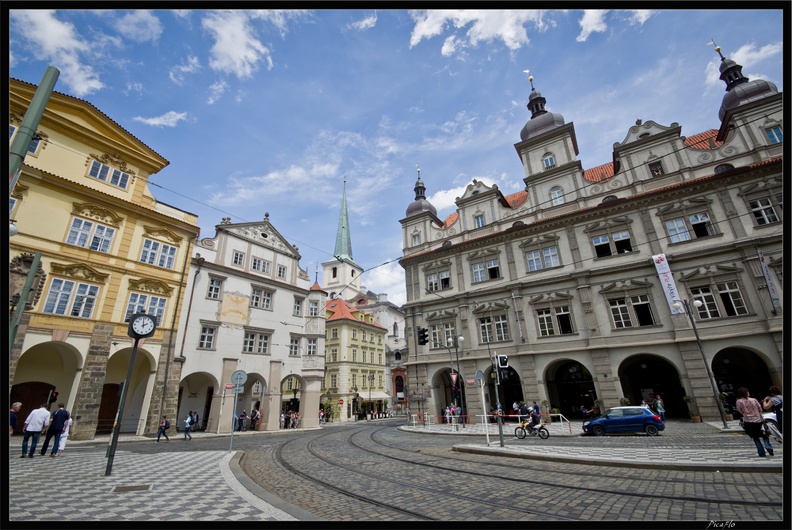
x: 379, y: 339
x: 63, y: 297
x: 334, y: 271
x: 380, y: 380
x: 312, y: 346
x: 556, y: 196
x: 364, y: 335
x: 698, y: 224
x: 334, y: 333
x: 297, y: 307
x: 313, y: 309
x: 111, y: 176
x: 88, y: 234
x: 363, y: 356
x: 488, y: 270
x: 441, y: 333
x: 34, y: 142
x: 610, y: 244
x: 764, y: 210
x: 261, y: 298
x: 354, y: 334
x: 333, y: 381
x: 261, y: 265
x: 542, y: 258
x: 438, y: 280
x: 773, y: 134
x: 294, y: 347
x: 334, y: 355
x: 354, y: 380
x: 156, y: 253
x: 12, y: 203
x: 723, y: 168
x: 354, y: 355
x: 214, y: 289
x: 554, y: 320
x: 256, y: 342
x: 631, y: 309
x: 152, y: 305
x: 239, y: 259
x: 281, y: 271
x: 548, y: 160
x: 207, y: 338
x: 656, y: 169
x: 478, y: 220
x: 501, y: 328
x: 416, y: 240
x: 728, y: 302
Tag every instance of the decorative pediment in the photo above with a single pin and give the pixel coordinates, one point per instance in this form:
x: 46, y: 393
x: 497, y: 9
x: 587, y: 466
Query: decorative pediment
x: 263, y: 234
x: 539, y: 240
x: 443, y: 314
x: 641, y: 130
x: 761, y: 186
x: 150, y: 285
x: 437, y: 264
x: 483, y: 254
x: 549, y: 298
x: 96, y: 212
x: 162, y: 233
x: 681, y: 206
x: 78, y: 271
x: 708, y: 271
x: 626, y: 285
x: 476, y: 188
x: 113, y: 160
x: 490, y: 307
x: 618, y: 221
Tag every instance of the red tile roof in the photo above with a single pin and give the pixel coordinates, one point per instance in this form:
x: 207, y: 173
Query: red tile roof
x: 705, y: 140
x: 316, y: 287
x: 516, y: 200
x: 599, y: 173
x: 451, y: 219
x: 343, y: 311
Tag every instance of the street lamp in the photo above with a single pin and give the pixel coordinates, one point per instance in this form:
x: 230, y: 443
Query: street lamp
x: 371, y: 383
x: 497, y: 384
x: 458, y: 384
x: 678, y: 304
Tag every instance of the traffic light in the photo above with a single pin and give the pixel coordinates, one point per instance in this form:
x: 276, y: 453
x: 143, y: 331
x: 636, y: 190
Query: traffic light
x: 53, y: 397
x: 503, y: 361
x: 423, y: 336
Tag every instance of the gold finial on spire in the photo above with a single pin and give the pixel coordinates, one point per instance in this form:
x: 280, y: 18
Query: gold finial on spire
x: 418, y: 169
x: 717, y: 49
x: 530, y: 77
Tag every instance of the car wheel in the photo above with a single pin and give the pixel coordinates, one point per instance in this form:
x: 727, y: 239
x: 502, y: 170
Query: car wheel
x: 651, y: 430
x: 519, y: 432
x: 598, y: 430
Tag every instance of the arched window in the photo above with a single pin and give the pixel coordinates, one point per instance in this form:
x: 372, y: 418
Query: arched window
x: 549, y: 160
x: 557, y: 196
x: 723, y: 167
x: 335, y: 272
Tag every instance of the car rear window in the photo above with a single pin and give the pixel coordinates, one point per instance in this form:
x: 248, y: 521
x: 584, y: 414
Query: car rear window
x: 633, y: 411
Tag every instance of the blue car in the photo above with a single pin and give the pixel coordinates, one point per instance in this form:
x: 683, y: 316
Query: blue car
x: 625, y: 419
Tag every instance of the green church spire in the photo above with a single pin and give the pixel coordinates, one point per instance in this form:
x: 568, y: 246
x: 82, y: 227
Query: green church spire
x: 343, y: 245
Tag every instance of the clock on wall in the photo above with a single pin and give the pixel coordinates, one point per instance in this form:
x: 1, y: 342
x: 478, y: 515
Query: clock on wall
x: 141, y: 325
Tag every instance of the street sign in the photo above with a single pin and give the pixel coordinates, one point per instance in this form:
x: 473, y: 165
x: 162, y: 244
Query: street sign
x: 470, y: 382
x: 230, y: 385
x: 340, y: 401
x: 480, y: 376
x: 239, y: 377
x: 239, y: 389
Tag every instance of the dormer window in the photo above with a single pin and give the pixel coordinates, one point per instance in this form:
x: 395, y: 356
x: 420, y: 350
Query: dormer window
x: 774, y: 134
x: 656, y: 169
x: 548, y: 160
x: 109, y: 175
x: 416, y: 240
x: 478, y: 220
x: 557, y: 196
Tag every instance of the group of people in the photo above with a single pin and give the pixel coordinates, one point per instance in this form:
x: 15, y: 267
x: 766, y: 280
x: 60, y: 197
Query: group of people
x: 753, y: 421
x: 54, y: 426
x: 243, y: 423
x: 325, y: 415
x: 289, y: 419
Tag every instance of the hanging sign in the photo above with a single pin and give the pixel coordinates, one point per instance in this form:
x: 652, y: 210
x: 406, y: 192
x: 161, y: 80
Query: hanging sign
x: 668, y: 284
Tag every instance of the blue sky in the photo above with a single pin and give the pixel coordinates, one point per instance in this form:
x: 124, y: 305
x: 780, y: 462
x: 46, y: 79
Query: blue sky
x: 268, y: 111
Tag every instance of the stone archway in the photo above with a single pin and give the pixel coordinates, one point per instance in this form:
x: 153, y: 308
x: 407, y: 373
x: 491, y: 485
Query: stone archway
x: 510, y: 389
x: 644, y: 375
x: 738, y: 367
x: 570, y: 385
x: 292, y: 388
x: 138, y: 394
x: 196, y: 393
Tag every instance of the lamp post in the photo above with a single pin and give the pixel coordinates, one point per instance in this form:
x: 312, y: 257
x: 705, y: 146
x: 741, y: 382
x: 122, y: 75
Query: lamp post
x: 678, y: 304
x: 497, y: 384
x: 458, y: 385
x: 371, y: 383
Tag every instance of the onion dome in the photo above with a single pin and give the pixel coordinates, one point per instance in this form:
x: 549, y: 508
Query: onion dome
x: 739, y: 89
x: 541, y: 120
x: 420, y: 204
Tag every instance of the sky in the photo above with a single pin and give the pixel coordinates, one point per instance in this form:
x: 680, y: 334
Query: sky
x: 270, y: 111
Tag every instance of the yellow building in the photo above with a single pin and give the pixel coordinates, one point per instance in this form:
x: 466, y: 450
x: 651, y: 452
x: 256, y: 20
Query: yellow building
x: 108, y: 249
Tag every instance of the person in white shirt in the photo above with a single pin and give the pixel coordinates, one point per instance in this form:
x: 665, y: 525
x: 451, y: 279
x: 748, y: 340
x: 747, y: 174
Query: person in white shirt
x: 36, y: 422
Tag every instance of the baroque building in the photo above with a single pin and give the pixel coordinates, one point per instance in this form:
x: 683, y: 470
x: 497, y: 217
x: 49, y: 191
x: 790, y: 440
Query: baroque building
x: 250, y: 308
x: 108, y: 248
x: 567, y: 278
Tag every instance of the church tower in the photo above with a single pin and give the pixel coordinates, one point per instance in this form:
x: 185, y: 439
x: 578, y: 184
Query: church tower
x: 341, y: 275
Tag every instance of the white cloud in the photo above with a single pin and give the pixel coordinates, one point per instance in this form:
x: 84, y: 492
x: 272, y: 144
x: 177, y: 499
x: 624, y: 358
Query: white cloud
x: 236, y: 49
x: 216, y: 91
x: 593, y: 20
x: 388, y: 279
x: 139, y: 26
x: 364, y: 24
x: 133, y: 87
x: 639, y: 16
x: 60, y: 45
x: 181, y: 13
x: 169, y: 119
x: 191, y: 65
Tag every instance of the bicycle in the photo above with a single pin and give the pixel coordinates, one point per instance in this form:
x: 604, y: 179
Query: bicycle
x: 525, y: 428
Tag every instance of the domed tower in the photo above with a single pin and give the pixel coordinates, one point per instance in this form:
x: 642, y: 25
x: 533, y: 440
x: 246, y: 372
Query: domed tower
x: 419, y: 221
x: 741, y: 92
x: 541, y: 120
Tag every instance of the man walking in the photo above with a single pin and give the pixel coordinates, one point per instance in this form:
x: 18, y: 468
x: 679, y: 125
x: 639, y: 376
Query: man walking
x: 187, y: 425
x: 56, y: 428
x: 35, y: 423
x: 13, y: 419
x: 163, y: 428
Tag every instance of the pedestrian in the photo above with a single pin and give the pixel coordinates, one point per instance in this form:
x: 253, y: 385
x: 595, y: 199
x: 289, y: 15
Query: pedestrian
x: 187, y: 425
x: 447, y: 415
x: 753, y: 423
x: 241, y: 420
x: 194, y: 421
x: 282, y: 420
x: 644, y: 404
x: 297, y: 418
x: 659, y: 407
x: 775, y: 402
x: 35, y: 424
x: 536, y: 408
x: 13, y: 418
x: 56, y: 428
x: 64, y: 436
x: 164, y: 425
x: 321, y: 417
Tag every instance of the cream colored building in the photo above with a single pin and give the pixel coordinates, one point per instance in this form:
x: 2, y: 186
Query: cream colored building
x: 108, y: 249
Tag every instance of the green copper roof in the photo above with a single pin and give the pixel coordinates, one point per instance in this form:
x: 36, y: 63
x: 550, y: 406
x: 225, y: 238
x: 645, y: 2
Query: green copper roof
x: 343, y: 245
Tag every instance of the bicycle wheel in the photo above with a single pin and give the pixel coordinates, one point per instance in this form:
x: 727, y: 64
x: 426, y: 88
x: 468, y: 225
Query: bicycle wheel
x: 519, y: 432
x: 543, y: 434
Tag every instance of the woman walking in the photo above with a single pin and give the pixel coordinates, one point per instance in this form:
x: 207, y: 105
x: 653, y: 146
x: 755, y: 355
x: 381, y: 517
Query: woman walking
x: 775, y: 402
x: 659, y: 407
x: 753, y: 423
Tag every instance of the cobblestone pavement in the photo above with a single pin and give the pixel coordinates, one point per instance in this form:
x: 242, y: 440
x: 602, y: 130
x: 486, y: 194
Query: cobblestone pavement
x: 204, y: 480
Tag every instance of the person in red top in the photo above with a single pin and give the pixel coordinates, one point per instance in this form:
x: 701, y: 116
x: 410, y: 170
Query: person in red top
x: 753, y: 422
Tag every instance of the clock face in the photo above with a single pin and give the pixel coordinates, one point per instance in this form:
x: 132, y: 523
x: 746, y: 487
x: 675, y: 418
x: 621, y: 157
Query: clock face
x: 143, y: 325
